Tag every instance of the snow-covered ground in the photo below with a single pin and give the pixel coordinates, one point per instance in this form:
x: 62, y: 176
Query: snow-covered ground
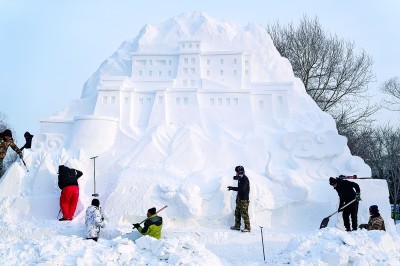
x: 147, y: 157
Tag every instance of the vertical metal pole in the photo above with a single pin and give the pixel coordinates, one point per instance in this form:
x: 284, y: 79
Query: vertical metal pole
x: 94, y: 176
x: 262, y: 241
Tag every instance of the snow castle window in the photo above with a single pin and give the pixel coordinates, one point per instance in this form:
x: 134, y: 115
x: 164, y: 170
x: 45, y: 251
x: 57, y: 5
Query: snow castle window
x: 169, y: 72
x: 193, y: 70
x: 222, y: 61
x: 126, y: 100
x: 185, y: 100
x: 212, y: 101
x: 160, y: 100
x: 208, y: 61
x: 185, y: 70
x: 228, y: 101
x: 150, y: 62
x: 140, y: 62
x: 219, y: 101
x: 261, y: 104
x: 178, y: 101
x: 183, y: 45
x: 140, y: 73
x: 221, y: 72
x: 246, y: 72
x: 197, y: 45
x: 280, y: 99
x: 112, y: 99
x: 234, y: 72
x: 208, y: 72
x: 150, y: 73
x: 148, y: 100
x: 170, y: 62
x: 235, y: 61
x: 160, y: 73
x: 236, y: 101
x: 105, y: 99
x: 141, y: 101
x: 186, y: 61
x: 190, y: 45
x: 246, y: 62
x: 192, y: 83
x: 192, y: 61
x: 184, y: 83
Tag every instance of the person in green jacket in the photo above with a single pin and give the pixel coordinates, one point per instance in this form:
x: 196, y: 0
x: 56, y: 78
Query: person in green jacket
x: 152, y: 226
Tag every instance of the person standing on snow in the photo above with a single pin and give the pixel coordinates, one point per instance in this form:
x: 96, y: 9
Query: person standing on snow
x: 28, y: 141
x: 376, y: 221
x: 94, y: 220
x: 6, y: 141
x: 347, y: 192
x: 68, y: 183
x: 242, y: 199
x: 152, y: 226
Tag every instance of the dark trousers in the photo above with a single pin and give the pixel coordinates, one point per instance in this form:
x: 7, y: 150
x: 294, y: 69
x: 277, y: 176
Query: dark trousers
x: 350, y: 211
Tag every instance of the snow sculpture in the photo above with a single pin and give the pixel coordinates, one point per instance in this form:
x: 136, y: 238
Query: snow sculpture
x: 174, y: 110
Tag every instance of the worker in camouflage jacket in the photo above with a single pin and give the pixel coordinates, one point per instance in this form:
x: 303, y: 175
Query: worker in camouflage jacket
x: 94, y: 220
x: 375, y: 222
x: 152, y: 226
x: 6, y: 141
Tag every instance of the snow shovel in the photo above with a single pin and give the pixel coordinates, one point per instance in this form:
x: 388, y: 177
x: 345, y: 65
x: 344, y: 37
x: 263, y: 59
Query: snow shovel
x: 325, y: 221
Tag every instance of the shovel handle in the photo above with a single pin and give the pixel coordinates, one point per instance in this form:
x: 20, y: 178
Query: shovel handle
x: 155, y: 213
x: 343, y: 207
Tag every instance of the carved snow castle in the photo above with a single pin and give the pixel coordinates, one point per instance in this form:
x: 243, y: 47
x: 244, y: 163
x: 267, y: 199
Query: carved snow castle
x: 213, y: 83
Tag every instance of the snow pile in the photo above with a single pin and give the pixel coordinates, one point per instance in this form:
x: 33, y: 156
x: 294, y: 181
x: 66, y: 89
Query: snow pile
x: 331, y: 246
x: 23, y: 244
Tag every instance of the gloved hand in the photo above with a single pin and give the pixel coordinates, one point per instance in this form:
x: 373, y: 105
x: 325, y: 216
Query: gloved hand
x: 363, y: 226
x: 358, y: 197
x: 229, y: 188
x: 136, y: 226
x: 20, y: 155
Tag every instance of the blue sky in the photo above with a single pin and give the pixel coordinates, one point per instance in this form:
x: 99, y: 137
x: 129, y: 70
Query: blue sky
x: 48, y: 49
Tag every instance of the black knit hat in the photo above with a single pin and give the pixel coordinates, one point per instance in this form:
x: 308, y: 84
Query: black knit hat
x: 374, y: 209
x: 152, y: 211
x: 332, y: 181
x: 27, y: 134
x: 8, y: 133
x: 95, y: 202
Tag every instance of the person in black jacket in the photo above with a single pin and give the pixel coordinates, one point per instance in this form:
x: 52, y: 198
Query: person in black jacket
x: 347, y: 192
x: 28, y: 141
x: 68, y: 183
x: 242, y: 199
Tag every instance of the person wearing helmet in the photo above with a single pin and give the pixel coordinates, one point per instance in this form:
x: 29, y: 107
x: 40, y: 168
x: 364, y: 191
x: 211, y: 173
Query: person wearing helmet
x: 242, y: 199
x: 6, y: 141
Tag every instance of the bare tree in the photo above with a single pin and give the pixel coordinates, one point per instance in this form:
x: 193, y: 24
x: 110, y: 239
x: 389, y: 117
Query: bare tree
x: 392, y: 89
x: 384, y: 158
x: 334, y: 75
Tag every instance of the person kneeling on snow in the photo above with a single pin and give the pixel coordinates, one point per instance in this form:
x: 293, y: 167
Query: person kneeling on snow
x: 152, y: 225
x: 68, y: 183
x: 94, y: 220
x: 375, y: 222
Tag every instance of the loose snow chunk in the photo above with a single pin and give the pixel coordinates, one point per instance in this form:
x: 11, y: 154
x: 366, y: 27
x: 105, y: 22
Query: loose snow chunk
x: 145, y: 242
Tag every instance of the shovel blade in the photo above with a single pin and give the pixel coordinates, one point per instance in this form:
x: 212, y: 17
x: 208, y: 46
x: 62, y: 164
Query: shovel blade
x: 324, y: 223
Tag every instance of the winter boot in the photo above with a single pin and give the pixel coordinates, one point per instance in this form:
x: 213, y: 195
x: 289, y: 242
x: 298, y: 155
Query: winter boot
x: 234, y: 227
x: 245, y: 230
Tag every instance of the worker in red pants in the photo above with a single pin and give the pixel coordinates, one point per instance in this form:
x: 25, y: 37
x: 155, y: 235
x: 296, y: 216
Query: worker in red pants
x: 68, y: 183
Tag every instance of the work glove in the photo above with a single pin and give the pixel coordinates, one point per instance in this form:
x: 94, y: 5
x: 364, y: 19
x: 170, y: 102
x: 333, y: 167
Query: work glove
x: 20, y: 155
x: 229, y: 188
x: 358, y: 197
x: 136, y: 226
x: 362, y: 226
